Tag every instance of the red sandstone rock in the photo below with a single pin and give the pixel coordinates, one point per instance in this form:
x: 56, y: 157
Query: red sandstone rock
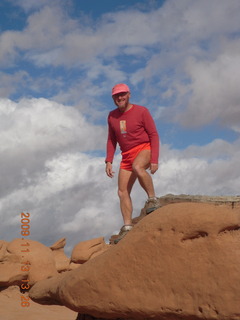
x: 61, y: 260
x: 11, y: 308
x: 59, y: 244
x: 180, y: 262
x: 45, y: 290
x: 39, y: 257
x: 74, y: 266
x: 86, y: 250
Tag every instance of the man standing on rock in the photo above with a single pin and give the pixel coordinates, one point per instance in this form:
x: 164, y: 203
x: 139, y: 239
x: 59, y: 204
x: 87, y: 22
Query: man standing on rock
x: 133, y: 128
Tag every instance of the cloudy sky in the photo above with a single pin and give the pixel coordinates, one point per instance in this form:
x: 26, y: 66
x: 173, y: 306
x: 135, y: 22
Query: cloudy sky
x: 59, y: 60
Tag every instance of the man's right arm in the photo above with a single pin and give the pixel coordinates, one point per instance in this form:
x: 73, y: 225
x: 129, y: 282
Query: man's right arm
x: 109, y: 171
x: 111, y: 147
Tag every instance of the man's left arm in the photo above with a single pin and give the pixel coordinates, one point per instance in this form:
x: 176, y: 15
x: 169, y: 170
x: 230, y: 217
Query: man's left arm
x: 153, y: 167
x: 151, y: 130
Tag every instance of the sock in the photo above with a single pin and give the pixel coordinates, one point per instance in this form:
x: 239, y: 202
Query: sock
x: 152, y: 198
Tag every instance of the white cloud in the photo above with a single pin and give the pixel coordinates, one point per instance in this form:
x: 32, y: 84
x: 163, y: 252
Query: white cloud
x: 182, y: 46
x: 40, y: 124
x: 35, y: 130
x: 207, y: 170
x: 71, y: 196
x: 41, y: 38
x: 53, y: 38
x: 214, y: 92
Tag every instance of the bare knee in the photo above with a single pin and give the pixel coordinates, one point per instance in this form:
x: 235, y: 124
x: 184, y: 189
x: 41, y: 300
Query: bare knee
x: 123, y: 193
x: 138, y: 169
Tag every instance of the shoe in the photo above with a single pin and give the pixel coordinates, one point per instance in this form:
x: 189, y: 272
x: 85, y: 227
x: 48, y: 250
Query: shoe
x: 152, y: 204
x: 123, y: 231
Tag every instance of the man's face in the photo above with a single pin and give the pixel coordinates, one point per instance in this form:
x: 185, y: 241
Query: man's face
x: 121, y: 100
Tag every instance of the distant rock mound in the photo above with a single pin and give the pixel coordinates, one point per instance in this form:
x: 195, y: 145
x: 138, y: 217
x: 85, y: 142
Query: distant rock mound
x: 44, y: 262
x: 180, y: 262
x: 13, y: 259
x: 231, y: 201
x: 86, y: 250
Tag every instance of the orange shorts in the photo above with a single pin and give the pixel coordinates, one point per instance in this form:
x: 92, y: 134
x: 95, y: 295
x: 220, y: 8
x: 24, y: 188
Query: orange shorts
x: 129, y: 156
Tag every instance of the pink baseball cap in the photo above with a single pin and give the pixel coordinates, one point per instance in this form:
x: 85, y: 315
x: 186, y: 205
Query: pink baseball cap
x: 121, y: 87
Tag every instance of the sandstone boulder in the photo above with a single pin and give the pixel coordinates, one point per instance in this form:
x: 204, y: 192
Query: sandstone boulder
x: 86, y: 250
x: 3, y: 248
x: 25, y: 259
x: 61, y: 260
x: 180, y: 262
x: 45, y: 291
x: 10, y: 267
x: 11, y: 274
x: 12, y: 302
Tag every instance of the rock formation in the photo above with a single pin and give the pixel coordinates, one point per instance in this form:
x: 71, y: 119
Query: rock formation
x: 15, y: 255
x: 44, y: 262
x: 180, y: 262
x: 62, y: 262
x: 89, y: 249
x: 11, y: 308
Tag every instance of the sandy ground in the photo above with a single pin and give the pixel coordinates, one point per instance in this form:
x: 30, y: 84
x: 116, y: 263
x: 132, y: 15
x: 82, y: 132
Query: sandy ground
x: 11, y: 308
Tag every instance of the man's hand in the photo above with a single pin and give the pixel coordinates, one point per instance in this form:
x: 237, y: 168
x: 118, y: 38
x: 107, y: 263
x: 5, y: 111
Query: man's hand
x: 153, y: 167
x: 108, y: 170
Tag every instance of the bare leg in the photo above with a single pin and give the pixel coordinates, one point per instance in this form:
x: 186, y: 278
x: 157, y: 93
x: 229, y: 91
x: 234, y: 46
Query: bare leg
x: 126, y: 180
x: 140, y: 164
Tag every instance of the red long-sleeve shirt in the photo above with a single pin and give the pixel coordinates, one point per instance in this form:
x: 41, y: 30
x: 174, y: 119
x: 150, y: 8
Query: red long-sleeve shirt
x: 130, y: 129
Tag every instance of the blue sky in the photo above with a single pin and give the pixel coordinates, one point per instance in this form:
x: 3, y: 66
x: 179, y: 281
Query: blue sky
x: 59, y: 60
